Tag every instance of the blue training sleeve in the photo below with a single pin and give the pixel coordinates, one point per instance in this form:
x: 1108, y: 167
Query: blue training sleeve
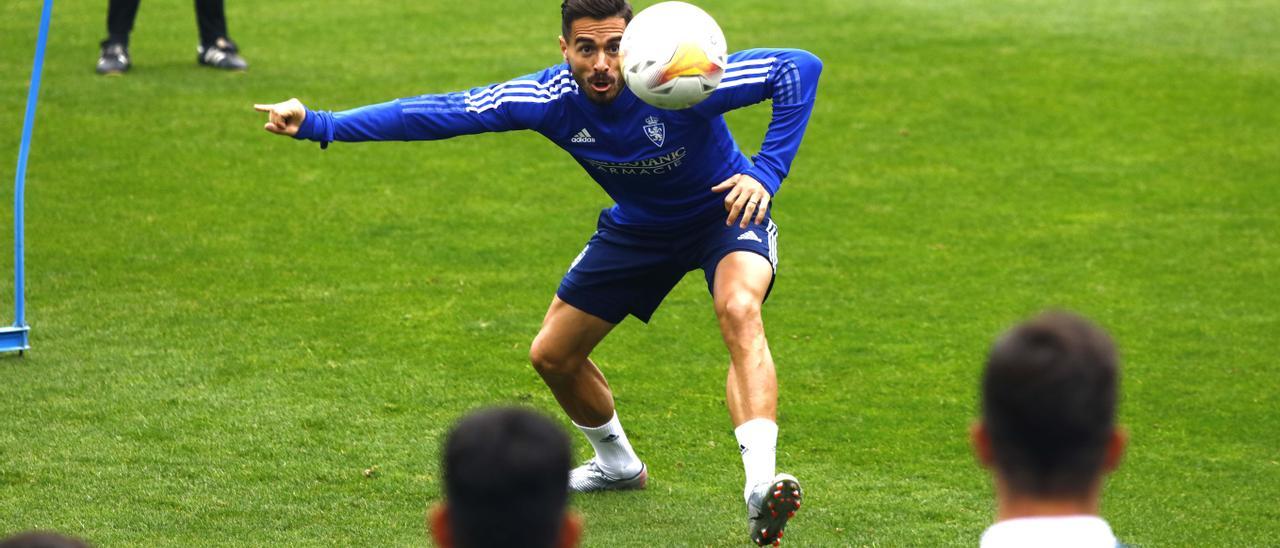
x: 789, y: 77
x: 522, y: 103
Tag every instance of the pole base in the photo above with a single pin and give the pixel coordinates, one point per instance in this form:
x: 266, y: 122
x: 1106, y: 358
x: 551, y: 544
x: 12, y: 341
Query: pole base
x: 14, y: 339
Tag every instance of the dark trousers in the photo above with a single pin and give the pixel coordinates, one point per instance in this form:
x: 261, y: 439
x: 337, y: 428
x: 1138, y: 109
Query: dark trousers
x: 209, y: 16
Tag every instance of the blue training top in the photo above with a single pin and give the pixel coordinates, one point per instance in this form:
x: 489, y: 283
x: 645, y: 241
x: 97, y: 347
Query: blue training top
x: 657, y: 165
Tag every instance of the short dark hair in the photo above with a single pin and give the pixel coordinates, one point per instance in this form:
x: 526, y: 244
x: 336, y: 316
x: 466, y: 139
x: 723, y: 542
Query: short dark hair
x: 1048, y: 404
x: 572, y: 10
x: 506, y: 477
x: 42, y: 539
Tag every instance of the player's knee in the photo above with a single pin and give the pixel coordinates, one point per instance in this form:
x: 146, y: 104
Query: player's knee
x: 738, y: 308
x: 548, y: 360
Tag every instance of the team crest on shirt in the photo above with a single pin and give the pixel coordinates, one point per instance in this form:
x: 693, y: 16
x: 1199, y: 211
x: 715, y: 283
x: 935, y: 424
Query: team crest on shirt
x: 655, y: 130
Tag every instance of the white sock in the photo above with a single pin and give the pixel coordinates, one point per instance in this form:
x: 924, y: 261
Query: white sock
x: 614, y: 454
x: 758, y: 442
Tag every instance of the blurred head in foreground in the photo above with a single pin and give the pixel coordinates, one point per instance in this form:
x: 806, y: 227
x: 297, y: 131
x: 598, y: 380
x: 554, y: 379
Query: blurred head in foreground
x: 41, y: 539
x: 1047, y: 430
x: 506, y: 473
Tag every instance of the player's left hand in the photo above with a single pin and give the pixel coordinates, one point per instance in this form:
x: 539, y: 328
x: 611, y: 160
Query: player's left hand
x: 747, y: 198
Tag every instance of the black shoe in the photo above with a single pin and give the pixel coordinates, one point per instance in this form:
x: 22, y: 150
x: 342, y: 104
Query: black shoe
x: 222, y: 54
x: 114, y: 58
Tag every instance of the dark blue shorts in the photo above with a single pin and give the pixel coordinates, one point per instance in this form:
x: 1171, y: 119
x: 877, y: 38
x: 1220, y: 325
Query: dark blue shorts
x: 625, y: 270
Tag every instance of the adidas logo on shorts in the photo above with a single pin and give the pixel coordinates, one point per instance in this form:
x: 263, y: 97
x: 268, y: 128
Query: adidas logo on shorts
x: 583, y: 136
x: 750, y: 236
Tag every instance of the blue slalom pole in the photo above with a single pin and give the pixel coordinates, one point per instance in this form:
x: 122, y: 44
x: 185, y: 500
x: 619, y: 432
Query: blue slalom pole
x: 16, y: 337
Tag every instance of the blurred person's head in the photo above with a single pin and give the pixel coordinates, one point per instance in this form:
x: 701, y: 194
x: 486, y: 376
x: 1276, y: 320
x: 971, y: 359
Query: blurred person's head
x: 1047, y: 429
x: 41, y: 539
x: 506, y: 476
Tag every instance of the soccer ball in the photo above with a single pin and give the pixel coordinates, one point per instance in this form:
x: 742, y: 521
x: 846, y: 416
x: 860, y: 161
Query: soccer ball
x: 673, y: 55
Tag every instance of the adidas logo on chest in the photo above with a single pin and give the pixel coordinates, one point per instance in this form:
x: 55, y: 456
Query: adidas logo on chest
x: 583, y: 136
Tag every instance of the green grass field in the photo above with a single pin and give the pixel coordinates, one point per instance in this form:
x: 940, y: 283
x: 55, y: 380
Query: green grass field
x: 242, y: 340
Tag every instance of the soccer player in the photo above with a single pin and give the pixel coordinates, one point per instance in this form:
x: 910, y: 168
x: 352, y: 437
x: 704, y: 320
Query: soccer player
x: 504, y: 474
x: 1048, y: 432
x: 672, y: 174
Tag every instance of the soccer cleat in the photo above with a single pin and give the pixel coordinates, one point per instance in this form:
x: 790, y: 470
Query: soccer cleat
x: 589, y: 478
x: 222, y: 54
x: 770, y: 506
x: 114, y: 58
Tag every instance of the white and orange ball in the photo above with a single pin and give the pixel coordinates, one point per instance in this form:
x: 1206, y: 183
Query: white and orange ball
x: 673, y: 55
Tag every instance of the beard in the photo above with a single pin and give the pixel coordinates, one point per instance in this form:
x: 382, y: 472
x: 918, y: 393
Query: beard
x: 599, y: 88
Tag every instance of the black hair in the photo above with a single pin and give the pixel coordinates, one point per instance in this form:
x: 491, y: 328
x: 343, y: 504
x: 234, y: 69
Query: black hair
x: 572, y: 10
x: 506, y: 477
x: 1048, y: 403
x: 42, y: 539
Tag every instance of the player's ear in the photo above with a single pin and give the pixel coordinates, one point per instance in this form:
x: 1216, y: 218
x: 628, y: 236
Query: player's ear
x: 438, y: 522
x: 981, y: 442
x: 570, y: 530
x: 1115, y: 449
x: 564, y: 49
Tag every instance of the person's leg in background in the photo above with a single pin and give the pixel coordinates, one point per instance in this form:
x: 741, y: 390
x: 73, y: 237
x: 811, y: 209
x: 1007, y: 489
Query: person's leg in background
x: 114, y: 55
x: 216, y: 48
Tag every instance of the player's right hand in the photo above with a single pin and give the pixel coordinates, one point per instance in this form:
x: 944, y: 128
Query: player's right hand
x: 284, y: 118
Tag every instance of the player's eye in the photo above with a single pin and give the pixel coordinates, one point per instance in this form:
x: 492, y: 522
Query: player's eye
x: 585, y: 50
x: 612, y: 49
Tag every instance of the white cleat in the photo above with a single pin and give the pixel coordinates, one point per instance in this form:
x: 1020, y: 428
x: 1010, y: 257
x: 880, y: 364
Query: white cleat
x: 589, y: 478
x: 770, y: 506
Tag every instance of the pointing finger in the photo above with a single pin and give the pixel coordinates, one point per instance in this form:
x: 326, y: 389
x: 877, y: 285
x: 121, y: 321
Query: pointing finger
x: 262, y: 108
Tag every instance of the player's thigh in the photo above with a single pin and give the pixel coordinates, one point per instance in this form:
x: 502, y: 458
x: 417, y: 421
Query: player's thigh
x: 740, y: 264
x: 741, y: 282
x: 568, y: 335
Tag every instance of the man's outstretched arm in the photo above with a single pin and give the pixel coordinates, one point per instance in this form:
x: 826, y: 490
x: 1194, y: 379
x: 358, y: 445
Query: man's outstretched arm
x: 517, y: 104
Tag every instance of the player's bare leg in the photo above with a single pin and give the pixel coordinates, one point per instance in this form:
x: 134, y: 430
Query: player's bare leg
x: 742, y: 279
x: 561, y: 355
x: 741, y: 283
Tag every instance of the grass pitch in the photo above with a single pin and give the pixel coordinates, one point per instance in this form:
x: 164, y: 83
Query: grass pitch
x: 242, y: 340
